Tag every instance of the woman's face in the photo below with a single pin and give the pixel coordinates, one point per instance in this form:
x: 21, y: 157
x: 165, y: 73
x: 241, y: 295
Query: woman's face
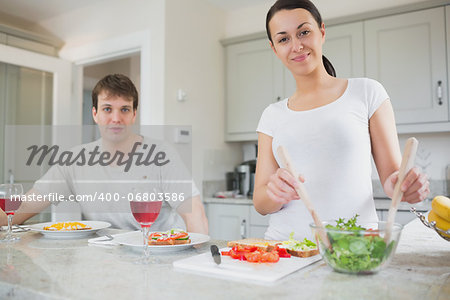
x: 297, y: 40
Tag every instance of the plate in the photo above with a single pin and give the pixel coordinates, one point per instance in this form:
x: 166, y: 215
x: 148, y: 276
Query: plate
x: 135, y: 240
x: 73, y: 234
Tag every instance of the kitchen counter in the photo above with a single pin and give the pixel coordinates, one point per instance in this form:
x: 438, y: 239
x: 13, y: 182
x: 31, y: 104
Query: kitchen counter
x: 241, y: 201
x: 38, y: 268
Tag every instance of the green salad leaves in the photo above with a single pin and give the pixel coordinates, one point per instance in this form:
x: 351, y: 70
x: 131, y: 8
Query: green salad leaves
x: 295, y: 245
x: 355, y: 249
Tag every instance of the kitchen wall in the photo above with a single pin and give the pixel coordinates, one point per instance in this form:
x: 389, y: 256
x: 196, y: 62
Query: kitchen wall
x: 186, y: 54
x: 195, y: 63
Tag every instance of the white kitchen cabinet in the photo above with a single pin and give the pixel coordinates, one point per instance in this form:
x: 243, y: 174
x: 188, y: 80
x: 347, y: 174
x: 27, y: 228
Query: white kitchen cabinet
x: 406, y: 53
x: 228, y: 221
x: 258, y: 223
x: 344, y: 48
x: 254, y: 80
x: 447, y: 22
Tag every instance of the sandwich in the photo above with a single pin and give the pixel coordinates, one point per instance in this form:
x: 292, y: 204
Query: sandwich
x: 171, y: 237
x: 260, y: 244
x: 306, y: 248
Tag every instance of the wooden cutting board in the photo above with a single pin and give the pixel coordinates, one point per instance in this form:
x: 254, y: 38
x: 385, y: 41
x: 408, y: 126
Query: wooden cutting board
x: 243, y: 271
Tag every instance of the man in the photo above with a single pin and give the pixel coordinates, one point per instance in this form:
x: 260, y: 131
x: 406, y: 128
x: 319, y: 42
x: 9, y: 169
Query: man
x: 117, y: 172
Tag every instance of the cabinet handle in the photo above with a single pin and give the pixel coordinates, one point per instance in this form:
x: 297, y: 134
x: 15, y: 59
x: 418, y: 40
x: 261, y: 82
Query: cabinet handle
x: 243, y: 229
x: 439, y: 92
x: 278, y: 98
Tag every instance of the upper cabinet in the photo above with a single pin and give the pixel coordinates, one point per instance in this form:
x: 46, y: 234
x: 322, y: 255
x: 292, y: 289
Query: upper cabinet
x: 344, y: 48
x: 254, y: 80
x: 406, y: 53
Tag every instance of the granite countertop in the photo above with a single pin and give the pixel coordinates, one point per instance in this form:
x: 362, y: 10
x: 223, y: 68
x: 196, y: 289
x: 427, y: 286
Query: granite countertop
x: 39, y: 268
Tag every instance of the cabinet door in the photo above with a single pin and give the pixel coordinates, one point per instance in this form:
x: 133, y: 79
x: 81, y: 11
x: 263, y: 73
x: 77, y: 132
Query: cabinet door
x: 257, y: 232
x: 447, y: 22
x: 406, y: 53
x: 344, y: 48
x: 254, y: 80
x: 228, y: 222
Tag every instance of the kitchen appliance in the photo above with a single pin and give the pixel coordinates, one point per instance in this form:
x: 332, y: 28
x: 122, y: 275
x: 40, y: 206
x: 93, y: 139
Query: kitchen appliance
x: 245, y: 173
x: 232, y: 181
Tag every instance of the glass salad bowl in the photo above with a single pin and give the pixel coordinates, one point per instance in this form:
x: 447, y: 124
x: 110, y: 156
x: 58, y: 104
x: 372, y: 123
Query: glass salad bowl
x: 357, y: 249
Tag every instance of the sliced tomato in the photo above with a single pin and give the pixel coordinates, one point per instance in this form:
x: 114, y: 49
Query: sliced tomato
x: 155, y: 235
x: 254, y: 256
x: 374, y: 233
x: 225, y: 253
x: 236, y: 254
x: 179, y: 235
x: 282, y: 252
x: 270, y: 257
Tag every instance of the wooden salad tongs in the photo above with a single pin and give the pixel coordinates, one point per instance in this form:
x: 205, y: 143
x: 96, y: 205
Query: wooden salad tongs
x: 409, y: 155
x: 301, y: 191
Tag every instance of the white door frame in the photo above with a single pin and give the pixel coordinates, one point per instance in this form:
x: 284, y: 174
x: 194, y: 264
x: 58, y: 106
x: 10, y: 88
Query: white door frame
x: 151, y: 91
x: 62, y: 81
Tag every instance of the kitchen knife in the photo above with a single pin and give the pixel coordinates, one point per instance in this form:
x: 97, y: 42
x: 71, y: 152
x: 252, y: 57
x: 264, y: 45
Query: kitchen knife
x: 216, y: 254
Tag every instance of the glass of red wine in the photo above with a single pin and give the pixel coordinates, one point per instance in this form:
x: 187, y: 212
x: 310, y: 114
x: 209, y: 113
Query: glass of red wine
x: 10, y: 200
x: 145, y: 209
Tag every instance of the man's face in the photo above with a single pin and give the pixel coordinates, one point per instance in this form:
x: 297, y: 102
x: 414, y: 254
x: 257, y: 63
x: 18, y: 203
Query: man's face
x: 115, y: 116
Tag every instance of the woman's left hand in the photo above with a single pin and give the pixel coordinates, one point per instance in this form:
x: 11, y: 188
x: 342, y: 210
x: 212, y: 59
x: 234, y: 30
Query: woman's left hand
x: 415, y: 186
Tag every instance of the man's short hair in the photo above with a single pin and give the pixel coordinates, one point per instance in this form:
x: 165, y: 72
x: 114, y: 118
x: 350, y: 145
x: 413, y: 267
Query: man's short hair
x: 115, y: 85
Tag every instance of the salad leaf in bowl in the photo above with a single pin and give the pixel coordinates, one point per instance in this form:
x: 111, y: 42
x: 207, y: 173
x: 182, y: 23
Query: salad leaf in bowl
x: 357, y: 248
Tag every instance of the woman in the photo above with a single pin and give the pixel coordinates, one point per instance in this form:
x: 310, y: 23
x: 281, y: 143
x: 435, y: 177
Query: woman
x: 330, y: 127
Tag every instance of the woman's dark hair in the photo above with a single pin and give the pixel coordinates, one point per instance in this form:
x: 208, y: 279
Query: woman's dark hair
x: 294, y: 4
x: 116, y: 85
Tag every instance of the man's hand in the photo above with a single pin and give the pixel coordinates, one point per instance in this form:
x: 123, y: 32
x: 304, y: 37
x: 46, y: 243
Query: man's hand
x: 26, y: 210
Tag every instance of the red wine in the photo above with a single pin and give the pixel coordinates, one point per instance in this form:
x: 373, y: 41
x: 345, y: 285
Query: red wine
x: 9, y: 206
x: 145, y: 212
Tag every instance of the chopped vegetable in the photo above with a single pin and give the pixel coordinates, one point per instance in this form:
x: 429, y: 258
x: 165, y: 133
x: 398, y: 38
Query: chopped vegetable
x: 173, y: 234
x: 295, y: 245
x: 252, y: 254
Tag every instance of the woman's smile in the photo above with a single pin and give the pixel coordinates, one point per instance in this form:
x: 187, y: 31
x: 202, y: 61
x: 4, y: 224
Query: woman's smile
x: 300, y: 58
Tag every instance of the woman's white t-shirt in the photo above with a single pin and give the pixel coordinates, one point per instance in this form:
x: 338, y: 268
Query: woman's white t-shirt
x: 330, y: 146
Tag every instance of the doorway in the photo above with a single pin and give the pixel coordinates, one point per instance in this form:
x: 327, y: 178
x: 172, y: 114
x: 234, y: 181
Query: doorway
x: 129, y: 66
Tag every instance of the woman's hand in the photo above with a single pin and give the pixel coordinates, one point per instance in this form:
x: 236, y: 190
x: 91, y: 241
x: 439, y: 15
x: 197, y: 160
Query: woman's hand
x: 281, y: 186
x: 415, y: 186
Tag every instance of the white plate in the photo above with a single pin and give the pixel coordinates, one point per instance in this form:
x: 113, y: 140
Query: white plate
x: 135, y: 240
x: 73, y: 234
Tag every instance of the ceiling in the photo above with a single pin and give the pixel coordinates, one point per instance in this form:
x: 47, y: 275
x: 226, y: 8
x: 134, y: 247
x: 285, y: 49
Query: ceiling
x: 37, y: 10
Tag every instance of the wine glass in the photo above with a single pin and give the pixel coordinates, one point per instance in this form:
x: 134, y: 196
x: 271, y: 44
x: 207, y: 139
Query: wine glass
x: 145, y: 208
x: 10, y: 200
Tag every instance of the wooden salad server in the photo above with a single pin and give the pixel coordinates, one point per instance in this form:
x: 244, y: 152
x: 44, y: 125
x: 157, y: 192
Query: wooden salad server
x: 409, y: 155
x: 301, y: 191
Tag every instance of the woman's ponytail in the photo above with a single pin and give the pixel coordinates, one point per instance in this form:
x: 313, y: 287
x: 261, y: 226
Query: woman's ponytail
x: 328, y: 66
